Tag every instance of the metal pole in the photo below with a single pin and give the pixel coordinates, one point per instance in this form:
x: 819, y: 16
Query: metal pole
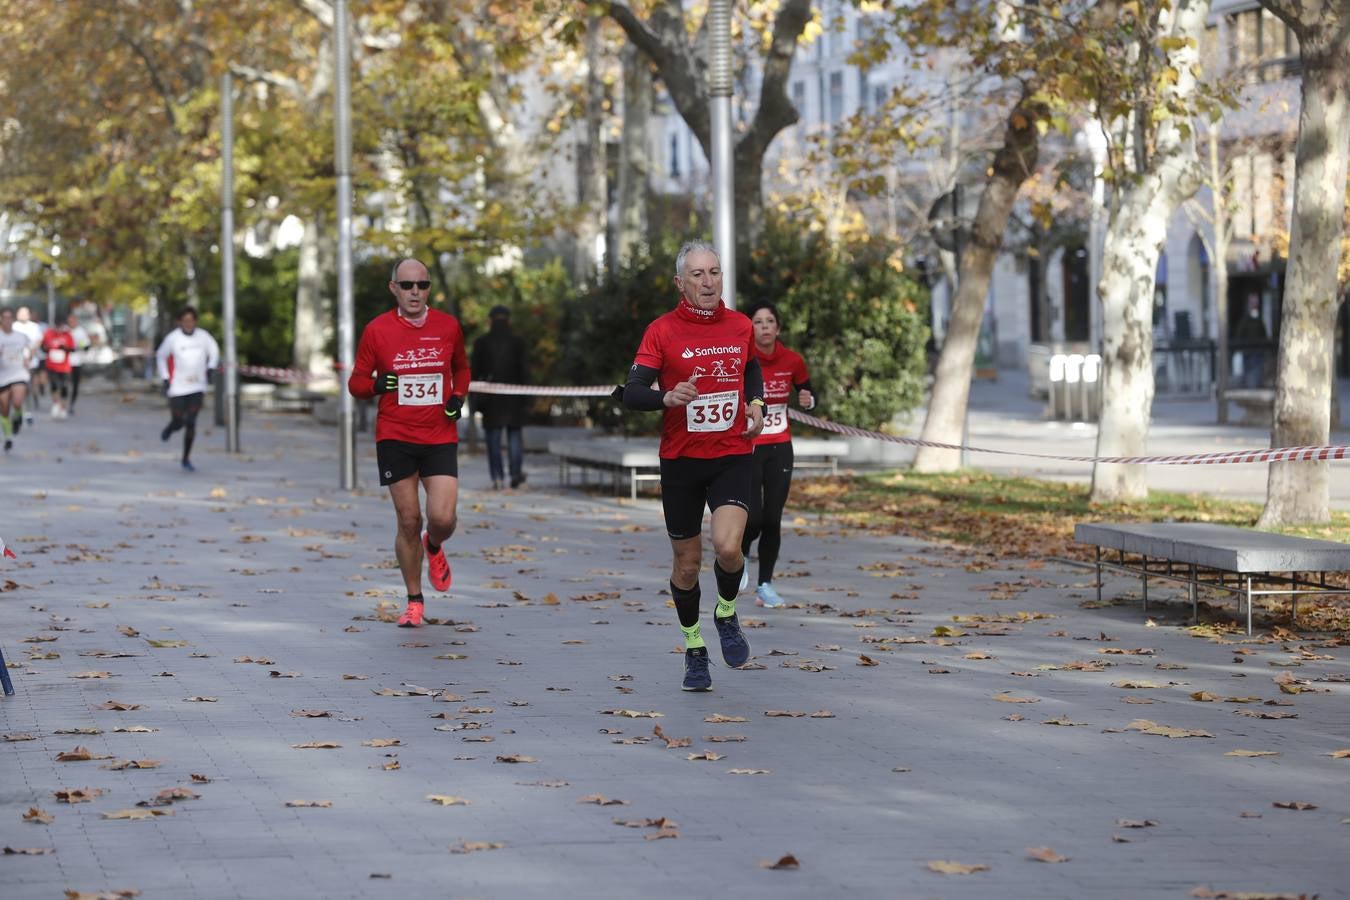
x: 227, y: 262
x: 346, y: 312
x: 720, y: 90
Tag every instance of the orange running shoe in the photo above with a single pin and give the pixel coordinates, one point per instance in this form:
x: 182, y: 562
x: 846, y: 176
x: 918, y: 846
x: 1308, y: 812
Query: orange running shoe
x: 438, y: 567
x: 412, y: 616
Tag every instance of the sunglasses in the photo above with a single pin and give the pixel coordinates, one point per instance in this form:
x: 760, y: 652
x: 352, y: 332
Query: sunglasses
x: 408, y: 285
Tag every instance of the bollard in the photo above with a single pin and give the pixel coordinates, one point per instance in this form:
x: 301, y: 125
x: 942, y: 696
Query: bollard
x: 1073, y: 367
x: 1091, y: 387
x: 1056, y: 383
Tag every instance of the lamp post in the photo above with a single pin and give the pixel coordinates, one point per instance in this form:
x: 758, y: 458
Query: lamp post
x: 231, y: 375
x: 720, y: 90
x: 346, y: 312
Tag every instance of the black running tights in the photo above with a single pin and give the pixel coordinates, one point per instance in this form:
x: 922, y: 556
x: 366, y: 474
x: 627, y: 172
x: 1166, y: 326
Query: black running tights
x: 769, y: 488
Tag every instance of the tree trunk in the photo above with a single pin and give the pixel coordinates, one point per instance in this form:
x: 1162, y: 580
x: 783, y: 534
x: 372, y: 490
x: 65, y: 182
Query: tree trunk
x: 1134, y: 239
x: 631, y: 225
x: 313, y: 311
x: 591, y: 200
x: 1299, y: 492
x: 1012, y: 165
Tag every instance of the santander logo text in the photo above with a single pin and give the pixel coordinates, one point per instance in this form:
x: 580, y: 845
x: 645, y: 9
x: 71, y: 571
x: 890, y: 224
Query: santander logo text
x: 710, y: 351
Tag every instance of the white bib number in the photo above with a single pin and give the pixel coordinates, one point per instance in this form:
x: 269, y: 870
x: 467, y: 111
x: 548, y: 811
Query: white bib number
x: 775, y: 418
x: 56, y: 355
x: 420, y: 390
x: 712, y: 412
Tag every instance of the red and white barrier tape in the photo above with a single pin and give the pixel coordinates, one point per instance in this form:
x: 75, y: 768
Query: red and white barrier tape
x: 1274, y: 454
x: 1228, y: 457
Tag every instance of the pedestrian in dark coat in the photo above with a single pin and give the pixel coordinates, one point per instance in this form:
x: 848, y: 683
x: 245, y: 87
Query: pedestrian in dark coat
x: 499, y: 356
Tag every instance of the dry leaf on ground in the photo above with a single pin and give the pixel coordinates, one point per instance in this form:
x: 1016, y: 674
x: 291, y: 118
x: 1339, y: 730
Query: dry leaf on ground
x: 382, y: 742
x: 602, y: 800
x: 318, y: 745
x: 28, y: 851
x: 783, y: 714
x: 1005, y: 697
x: 788, y: 861
x: 137, y: 813
x: 475, y: 846
x: 38, y: 816
x: 749, y: 771
x: 1171, y: 731
x: 78, y: 795
x: 309, y: 804
x: 516, y: 758
x: 1252, y: 753
x: 952, y: 867
x: 1045, y: 855
x: 719, y: 719
x: 447, y: 800
x: 1293, y: 804
x: 708, y: 755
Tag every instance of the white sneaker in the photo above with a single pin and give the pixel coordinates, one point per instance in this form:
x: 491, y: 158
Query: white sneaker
x: 765, y: 595
x: 745, y: 577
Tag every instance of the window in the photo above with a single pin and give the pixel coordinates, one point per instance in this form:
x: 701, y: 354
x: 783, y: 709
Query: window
x: 799, y: 99
x: 674, y: 156
x: 836, y: 96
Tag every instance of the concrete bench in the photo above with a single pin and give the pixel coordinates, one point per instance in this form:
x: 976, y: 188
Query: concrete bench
x: 638, y: 459
x: 1238, y: 561
x: 1257, y: 404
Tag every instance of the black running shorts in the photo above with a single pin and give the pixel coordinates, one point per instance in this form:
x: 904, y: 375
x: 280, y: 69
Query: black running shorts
x: 688, y: 484
x: 399, y: 459
x: 187, y: 406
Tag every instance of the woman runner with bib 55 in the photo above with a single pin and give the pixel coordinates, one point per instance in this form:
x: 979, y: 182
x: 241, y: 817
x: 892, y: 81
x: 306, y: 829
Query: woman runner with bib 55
x: 785, y: 376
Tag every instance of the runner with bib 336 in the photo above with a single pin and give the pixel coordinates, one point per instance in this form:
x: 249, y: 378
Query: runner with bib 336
x: 712, y: 395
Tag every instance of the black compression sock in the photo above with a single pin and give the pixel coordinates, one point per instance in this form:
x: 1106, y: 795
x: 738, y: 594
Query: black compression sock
x: 728, y: 583
x: 415, y: 598
x: 686, y: 604
x: 433, y: 549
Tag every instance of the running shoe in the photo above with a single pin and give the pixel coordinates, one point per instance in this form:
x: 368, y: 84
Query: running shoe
x: 412, y: 616
x: 188, y: 466
x: 735, y: 648
x: 438, y: 567
x: 765, y: 595
x: 745, y: 576
x: 168, y: 430
x: 9, y: 445
x: 517, y: 480
x: 696, y: 677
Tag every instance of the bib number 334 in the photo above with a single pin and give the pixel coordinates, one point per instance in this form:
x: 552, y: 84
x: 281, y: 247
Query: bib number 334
x: 419, y: 390
x: 712, y: 412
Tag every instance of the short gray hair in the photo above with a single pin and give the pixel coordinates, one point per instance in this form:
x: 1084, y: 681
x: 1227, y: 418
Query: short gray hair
x: 691, y: 247
x: 393, y: 273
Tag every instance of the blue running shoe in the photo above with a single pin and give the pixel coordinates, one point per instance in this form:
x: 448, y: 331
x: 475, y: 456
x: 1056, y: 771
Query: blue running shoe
x: 188, y: 466
x: 735, y: 648
x: 766, y: 596
x: 696, y: 677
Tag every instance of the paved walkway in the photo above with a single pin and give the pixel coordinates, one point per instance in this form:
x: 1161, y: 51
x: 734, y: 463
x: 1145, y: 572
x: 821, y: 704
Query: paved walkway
x: 169, y: 583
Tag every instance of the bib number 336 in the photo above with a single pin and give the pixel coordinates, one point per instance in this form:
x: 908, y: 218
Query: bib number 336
x: 419, y: 390
x: 712, y: 412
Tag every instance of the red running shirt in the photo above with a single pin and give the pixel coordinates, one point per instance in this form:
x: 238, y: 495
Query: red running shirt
x: 59, y: 345
x: 711, y: 348
x: 431, y: 366
x: 783, y: 369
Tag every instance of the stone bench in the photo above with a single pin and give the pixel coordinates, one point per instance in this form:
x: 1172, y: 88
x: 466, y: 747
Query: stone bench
x: 1257, y: 404
x: 639, y: 461
x: 1238, y: 561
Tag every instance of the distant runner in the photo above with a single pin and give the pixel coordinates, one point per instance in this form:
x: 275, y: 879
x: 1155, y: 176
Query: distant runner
x: 15, y: 354
x: 699, y: 353
x: 785, y: 378
x: 185, y: 359
x: 58, y: 344
x: 413, y: 358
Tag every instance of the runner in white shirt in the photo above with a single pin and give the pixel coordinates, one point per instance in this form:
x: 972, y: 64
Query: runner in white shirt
x: 185, y: 359
x: 24, y: 324
x: 15, y: 353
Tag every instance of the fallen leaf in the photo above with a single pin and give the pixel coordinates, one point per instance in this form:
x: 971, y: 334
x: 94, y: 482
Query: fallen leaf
x: 92, y: 675
x: 78, y: 795
x: 787, y: 861
x: 16, y: 737
x: 134, y: 729
x: 118, y: 707
x: 199, y: 699
x: 662, y: 833
x: 141, y: 813
x: 822, y: 714
x: 865, y: 660
x: 311, y: 713
x: 118, y: 765
x: 318, y: 745
x: 1135, y: 823
x: 1135, y: 685
x: 1293, y: 804
x: 1005, y: 697
x: 382, y: 742
x: 28, y: 851
x: 1045, y: 855
x: 749, y: 771
x: 276, y: 673
x: 725, y: 738
x: 951, y: 867
x: 1171, y: 731
x: 80, y: 754
x: 447, y: 800
x: 602, y: 800
x: 171, y: 795
x: 166, y: 644
x: 708, y: 755
x: 516, y: 758
x: 719, y: 719
x: 1252, y: 753
x: 632, y: 713
x: 474, y: 846
x: 38, y: 816
x: 783, y: 714
x: 309, y: 804
x: 1062, y: 720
